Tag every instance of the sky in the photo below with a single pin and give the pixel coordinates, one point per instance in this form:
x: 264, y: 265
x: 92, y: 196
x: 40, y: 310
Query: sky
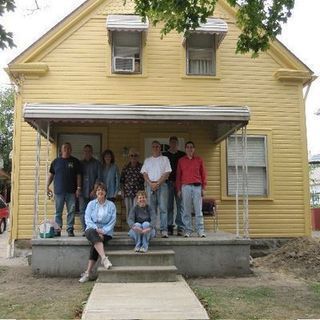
x: 299, y: 35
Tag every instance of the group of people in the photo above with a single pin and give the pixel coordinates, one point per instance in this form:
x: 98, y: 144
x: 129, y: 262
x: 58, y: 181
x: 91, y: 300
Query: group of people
x: 154, y: 186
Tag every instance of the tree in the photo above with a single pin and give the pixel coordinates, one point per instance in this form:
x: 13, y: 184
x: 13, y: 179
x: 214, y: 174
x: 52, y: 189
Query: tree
x: 259, y: 20
x: 6, y: 125
x: 6, y: 39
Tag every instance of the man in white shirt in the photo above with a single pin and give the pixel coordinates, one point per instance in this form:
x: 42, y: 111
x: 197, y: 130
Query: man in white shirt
x: 156, y: 170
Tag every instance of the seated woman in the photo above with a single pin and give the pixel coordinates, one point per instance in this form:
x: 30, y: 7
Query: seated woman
x: 142, y: 221
x: 100, y: 218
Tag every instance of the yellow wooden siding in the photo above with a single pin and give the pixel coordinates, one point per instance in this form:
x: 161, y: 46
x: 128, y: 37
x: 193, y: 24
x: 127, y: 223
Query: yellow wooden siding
x: 79, y: 72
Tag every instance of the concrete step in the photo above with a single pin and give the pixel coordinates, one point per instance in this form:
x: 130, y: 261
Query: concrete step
x: 151, y: 258
x: 138, y: 274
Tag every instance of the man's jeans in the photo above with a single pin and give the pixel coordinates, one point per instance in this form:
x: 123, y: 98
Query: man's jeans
x: 160, y: 198
x: 192, y: 200
x: 83, y: 203
x: 60, y: 200
x: 172, y: 195
x: 142, y: 240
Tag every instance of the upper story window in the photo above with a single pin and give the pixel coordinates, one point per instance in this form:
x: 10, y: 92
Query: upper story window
x: 125, y: 37
x: 202, y: 45
x: 126, y: 52
x: 201, y: 54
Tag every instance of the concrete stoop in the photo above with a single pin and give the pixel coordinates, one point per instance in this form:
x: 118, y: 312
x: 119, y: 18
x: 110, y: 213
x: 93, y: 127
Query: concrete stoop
x: 129, y: 266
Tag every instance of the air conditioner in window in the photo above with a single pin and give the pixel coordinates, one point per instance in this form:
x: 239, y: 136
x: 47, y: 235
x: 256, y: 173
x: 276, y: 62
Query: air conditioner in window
x: 123, y: 64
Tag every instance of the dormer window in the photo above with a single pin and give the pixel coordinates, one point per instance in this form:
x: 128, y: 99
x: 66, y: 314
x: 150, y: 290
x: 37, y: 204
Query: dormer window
x: 125, y: 34
x: 201, y: 54
x: 126, y: 52
x: 202, y: 45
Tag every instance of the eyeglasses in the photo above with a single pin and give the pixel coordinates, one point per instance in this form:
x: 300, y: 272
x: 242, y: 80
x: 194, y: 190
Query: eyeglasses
x: 156, y: 147
x: 133, y: 156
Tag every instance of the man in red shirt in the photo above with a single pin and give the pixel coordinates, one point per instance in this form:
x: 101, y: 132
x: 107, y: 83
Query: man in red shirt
x: 191, y: 180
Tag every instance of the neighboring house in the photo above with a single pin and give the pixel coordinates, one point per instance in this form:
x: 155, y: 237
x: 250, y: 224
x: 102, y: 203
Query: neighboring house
x: 102, y: 76
x: 314, y: 163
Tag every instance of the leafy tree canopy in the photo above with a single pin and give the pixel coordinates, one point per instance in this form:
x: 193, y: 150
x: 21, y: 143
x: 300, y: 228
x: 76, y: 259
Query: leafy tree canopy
x: 6, y: 37
x: 259, y: 20
x: 6, y: 125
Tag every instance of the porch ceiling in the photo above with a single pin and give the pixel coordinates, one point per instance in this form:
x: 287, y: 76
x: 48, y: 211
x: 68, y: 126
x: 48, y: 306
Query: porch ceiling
x: 224, y: 119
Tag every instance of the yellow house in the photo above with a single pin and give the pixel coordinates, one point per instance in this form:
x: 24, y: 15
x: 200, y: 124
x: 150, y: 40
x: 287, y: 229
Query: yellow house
x: 103, y: 76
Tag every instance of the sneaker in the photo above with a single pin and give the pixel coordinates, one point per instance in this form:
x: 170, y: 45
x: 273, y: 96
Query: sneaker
x: 84, y: 277
x: 187, y: 235
x: 106, y: 263
x: 164, y: 234
x: 202, y: 235
x: 143, y: 250
x: 180, y: 233
x: 136, y: 249
x: 70, y: 233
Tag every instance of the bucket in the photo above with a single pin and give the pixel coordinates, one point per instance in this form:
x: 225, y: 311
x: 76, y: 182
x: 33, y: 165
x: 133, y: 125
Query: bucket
x: 46, y: 230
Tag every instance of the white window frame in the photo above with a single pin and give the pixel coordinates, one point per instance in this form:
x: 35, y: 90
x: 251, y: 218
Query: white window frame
x: 137, y: 60
x: 252, y: 169
x: 189, y: 48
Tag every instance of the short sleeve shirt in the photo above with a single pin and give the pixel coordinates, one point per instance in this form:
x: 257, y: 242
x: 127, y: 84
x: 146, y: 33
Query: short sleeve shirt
x: 65, y: 171
x: 156, y: 167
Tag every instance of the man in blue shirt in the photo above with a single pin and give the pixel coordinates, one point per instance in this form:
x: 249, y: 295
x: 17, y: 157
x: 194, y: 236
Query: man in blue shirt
x: 91, y: 173
x: 65, y: 172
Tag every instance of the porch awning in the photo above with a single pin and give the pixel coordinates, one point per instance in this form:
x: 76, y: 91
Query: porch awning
x: 213, y: 26
x: 123, y: 22
x: 224, y: 120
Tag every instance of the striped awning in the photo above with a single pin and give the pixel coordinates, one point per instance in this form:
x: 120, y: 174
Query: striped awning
x: 213, y: 26
x: 123, y: 22
x: 224, y: 120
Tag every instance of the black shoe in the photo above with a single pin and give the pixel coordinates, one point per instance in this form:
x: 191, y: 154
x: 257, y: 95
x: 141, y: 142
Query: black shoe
x: 180, y: 233
x: 57, y: 233
x: 70, y: 233
x: 170, y: 230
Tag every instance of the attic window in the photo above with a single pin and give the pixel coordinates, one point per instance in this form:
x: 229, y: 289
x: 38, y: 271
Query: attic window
x: 202, y: 44
x: 126, y: 40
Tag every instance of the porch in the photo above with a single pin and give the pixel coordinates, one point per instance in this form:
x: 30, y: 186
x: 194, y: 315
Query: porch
x: 219, y: 254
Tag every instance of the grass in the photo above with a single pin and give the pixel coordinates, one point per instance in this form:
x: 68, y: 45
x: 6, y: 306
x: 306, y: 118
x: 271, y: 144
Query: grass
x: 261, y: 302
x: 24, y: 296
x: 315, y: 288
x: 221, y: 303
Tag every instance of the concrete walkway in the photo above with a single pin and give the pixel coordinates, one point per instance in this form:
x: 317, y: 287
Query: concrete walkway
x: 161, y: 300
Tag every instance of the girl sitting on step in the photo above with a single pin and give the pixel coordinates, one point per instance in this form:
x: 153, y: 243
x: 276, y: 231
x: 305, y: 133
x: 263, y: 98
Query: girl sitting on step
x: 142, y: 221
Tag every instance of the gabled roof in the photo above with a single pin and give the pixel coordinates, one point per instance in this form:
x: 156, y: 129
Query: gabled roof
x: 277, y: 50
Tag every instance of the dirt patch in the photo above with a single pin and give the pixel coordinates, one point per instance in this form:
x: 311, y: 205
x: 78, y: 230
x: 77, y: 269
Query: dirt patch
x: 283, y: 285
x: 299, y: 257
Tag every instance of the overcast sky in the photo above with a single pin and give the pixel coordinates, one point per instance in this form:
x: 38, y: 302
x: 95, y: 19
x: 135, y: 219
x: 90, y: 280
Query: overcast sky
x: 300, y: 35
